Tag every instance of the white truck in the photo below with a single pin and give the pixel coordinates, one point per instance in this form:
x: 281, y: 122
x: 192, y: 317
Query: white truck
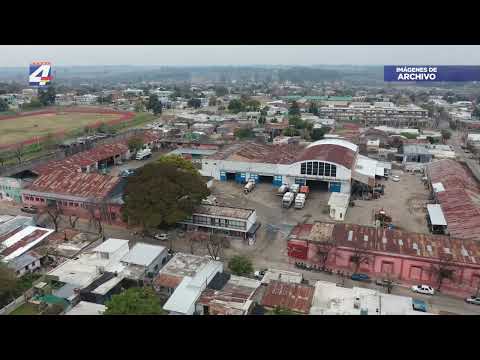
x: 295, y: 188
x: 143, y: 154
x: 300, y: 201
x: 282, y: 190
x: 287, y: 199
x: 249, y: 186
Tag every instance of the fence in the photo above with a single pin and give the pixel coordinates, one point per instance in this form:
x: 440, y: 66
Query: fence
x: 13, y: 305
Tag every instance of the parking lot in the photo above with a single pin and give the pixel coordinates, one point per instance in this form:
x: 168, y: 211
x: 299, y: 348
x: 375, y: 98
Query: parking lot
x: 405, y: 201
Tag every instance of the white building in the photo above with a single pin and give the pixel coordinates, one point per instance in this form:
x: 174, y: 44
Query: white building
x: 285, y: 276
x: 330, y: 299
x: 87, y: 99
x: 87, y: 308
x: 184, y: 278
x: 144, y: 259
x: 338, y: 204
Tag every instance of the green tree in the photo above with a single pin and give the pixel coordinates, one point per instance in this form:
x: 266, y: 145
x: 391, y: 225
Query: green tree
x: 161, y: 195
x: 235, y: 106
x: 47, y: 97
x: 290, y: 132
x: 33, y: 104
x: 212, y: 101
x: 178, y: 161
x: 294, y: 109
x: 297, y: 122
x: 476, y: 111
x: 240, y: 265
x: 3, y: 105
x: 313, y: 109
x: 135, y: 144
x: 280, y: 311
x: 262, y: 120
x: 8, y: 284
x: 274, y: 121
x: 446, y: 135
x: 221, y: 91
x: 139, y: 106
x: 408, y: 135
x: 135, y: 301
x: 244, y: 133
x: 154, y: 104
x: 194, y: 102
x: 318, y: 134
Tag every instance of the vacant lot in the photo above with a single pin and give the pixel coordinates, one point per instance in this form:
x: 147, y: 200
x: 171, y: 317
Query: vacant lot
x: 405, y: 201
x: 25, y: 128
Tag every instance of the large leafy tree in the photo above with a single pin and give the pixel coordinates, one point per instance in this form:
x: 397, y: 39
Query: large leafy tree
x: 162, y: 194
x: 135, y: 301
x: 3, y: 105
x: 47, y: 97
x: 8, y: 284
x: 135, y: 144
x: 154, y: 104
x: 178, y: 161
x: 194, y: 102
x: 294, y: 109
x: 240, y: 265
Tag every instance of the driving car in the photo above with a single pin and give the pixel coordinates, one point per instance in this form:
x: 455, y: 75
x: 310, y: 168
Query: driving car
x: 423, y: 289
x: 419, y: 305
x: 395, y: 178
x: 360, y: 277
x: 161, y: 237
x: 29, y: 209
x: 473, y: 300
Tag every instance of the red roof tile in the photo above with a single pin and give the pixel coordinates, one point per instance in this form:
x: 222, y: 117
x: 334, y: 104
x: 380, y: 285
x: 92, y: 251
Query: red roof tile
x: 329, y: 152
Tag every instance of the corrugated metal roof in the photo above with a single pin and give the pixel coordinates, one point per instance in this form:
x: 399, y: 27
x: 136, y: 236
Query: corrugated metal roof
x: 336, y: 154
x: 461, y: 212
x: 294, y: 297
x: 84, y: 185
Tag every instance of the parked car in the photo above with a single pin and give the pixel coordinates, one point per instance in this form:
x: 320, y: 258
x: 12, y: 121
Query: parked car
x: 360, y: 277
x: 127, y: 172
x: 423, y: 289
x: 383, y: 282
x: 259, y: 274
x: 396, y: 178
x: 29, y: 209
x: 419, y: 305
x: 473, y: 300
x: 161, y: 237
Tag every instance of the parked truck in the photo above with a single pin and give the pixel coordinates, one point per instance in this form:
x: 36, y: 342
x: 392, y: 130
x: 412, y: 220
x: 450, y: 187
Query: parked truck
x: 300, y: 201
x: 295, y: 188
x: 249, y: 186
x: 143, y: 154
x: 282, y: 190
x: 287, y: 199
x: 305, y: 190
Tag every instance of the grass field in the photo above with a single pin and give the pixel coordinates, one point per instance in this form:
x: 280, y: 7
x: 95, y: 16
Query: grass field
x: 25, y: 128
x: 26, y: 309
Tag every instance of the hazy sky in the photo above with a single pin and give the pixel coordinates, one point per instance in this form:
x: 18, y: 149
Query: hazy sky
x: 239, y: 55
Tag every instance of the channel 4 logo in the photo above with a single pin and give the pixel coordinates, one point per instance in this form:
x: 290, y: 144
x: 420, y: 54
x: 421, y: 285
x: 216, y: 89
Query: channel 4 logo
x: 40, y: 74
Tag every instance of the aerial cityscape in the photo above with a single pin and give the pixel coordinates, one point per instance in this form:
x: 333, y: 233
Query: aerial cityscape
x: 212, y: 186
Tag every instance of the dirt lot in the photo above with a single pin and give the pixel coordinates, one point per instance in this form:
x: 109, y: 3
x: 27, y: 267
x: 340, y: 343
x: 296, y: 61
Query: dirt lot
x: 404, y: 201
x: 277, y: 222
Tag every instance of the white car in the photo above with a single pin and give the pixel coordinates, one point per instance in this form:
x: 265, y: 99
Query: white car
x: 395, y: 178
x: 423, y: 289
x: 161, y: 237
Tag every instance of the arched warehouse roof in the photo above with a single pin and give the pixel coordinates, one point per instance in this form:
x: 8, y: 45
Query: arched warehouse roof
x: 332, y: 150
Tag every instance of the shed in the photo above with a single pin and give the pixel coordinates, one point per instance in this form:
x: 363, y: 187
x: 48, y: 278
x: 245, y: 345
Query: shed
x: 436, y: 214
x: 338, y: 204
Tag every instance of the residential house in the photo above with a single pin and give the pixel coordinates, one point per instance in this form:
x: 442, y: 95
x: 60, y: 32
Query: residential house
x: 25, y: 263
x: 144, y: 260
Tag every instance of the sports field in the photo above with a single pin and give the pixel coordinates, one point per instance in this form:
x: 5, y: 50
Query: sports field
x: 25, y: 128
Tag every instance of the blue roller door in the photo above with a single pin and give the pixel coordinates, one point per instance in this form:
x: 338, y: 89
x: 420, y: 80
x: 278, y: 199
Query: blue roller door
x: 335, y: 186
x: 223, y: 176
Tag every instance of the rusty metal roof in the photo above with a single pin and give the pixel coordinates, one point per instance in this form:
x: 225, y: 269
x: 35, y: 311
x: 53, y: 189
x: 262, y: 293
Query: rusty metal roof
x: 223, y: 211
x: 457, y: 201
x: 167, y: 280
x: 294, y: 297
x: 317, y: 232
x: 75, y: 162
x: 83, y: 185
x: 328, y: 152
x: 406, y: 243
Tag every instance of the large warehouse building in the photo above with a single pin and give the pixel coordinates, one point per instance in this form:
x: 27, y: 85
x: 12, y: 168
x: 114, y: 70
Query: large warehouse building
x: 328, y: 164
